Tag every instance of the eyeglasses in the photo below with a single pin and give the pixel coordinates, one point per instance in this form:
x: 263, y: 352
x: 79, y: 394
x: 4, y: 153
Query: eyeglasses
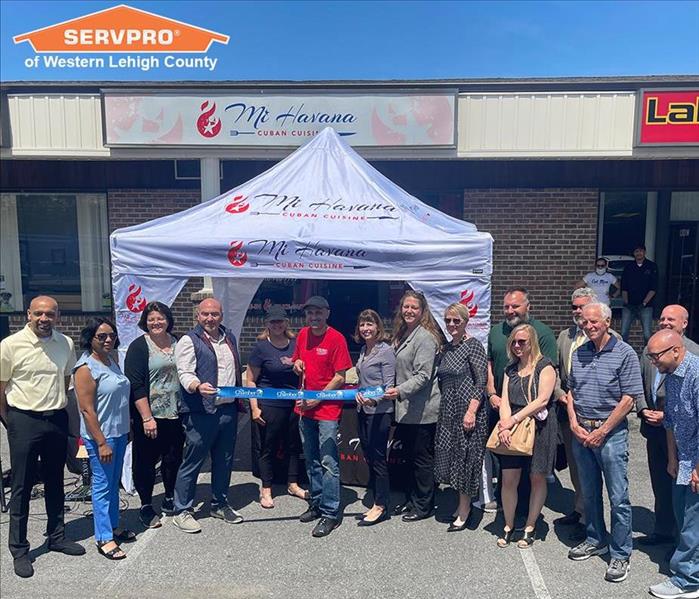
x: 102, y: 337
x: 519, y: 342
x: 574, y: 307
x: 453, y: 320
x: 655, y: 356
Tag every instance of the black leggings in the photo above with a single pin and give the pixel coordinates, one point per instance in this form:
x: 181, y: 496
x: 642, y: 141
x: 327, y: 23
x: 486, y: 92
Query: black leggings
x: 373, y: 435
x: 281, y: 426
x: 166, y: 447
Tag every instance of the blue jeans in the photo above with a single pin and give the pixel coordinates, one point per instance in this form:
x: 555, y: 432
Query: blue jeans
x: 685, y: 560
x: 609, y: 461
x: 631, y: 313
x: 322, y: 464
x: 207, y: 433
x: 105, y: 487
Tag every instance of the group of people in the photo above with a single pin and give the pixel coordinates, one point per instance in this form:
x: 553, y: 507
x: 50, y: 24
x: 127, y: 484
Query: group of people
x: 445, y: 397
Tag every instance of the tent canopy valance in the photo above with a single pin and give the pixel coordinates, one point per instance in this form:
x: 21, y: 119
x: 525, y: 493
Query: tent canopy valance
x: 321, y: 213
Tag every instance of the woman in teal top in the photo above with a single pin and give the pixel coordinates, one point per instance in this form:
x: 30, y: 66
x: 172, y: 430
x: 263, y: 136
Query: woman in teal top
x: 103, y: 396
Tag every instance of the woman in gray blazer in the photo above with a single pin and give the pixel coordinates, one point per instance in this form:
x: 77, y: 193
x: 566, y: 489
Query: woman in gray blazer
x: 417, y: 339
x: 376, y: 366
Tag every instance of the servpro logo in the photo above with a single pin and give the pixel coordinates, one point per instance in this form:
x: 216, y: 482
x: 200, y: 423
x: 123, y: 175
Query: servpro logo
x: 121, y: 29
x: 118, y: 30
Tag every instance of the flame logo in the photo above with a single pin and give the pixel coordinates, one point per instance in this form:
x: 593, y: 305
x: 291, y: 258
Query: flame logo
x: 135, y: 302
x: 238, y: 205
x: 208, y: 125
x: 236, y: 256
x: 467, y: 300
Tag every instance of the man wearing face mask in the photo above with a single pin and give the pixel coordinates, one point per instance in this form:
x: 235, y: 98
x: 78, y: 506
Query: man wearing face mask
x: 515, y: 307
x: 601, y: 281
x: 650, y: 408
x: 207, y: 358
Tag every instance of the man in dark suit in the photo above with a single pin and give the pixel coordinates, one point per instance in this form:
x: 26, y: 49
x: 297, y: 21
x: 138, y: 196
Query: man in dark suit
x: 650, y: 408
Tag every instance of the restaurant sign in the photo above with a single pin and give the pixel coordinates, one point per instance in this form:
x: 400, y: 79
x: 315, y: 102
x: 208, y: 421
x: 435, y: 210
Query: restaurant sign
x: 277, y: 120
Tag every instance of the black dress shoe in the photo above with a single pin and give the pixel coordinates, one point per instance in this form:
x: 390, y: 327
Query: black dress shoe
x: 414, y: 517
x: 309, y: 515
x: 453, y: 527
x: 568, y: 520
x: 23, y: 567
x: 325, y: 526
x: 385, y: 515
x: 655, y: 539
x: 405, y: 508
x: 67, y: 547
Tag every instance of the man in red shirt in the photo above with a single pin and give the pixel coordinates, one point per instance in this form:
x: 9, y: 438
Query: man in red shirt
x: 321, y: 359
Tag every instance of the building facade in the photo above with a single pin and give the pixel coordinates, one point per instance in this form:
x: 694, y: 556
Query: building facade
x: 559, y: 171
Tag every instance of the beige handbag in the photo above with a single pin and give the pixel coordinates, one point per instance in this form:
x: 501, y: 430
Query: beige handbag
x: 522, y: 440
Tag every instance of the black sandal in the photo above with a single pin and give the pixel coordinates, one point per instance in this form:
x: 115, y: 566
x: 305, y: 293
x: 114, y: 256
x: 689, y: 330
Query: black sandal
x: 114, y: 554
x: 527, y: 540
x: 124, y: 535
x: 505, y: 539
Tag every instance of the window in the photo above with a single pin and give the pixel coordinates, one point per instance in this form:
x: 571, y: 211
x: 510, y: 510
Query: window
x: 55, y: 244
x: 623, y: 222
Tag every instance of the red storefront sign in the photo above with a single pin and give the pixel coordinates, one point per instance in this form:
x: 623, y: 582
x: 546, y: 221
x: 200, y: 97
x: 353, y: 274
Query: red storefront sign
x: 669, y: 117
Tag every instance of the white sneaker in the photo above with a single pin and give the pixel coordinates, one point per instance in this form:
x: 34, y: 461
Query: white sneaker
x: 186, y: 522
x: 667, y: 590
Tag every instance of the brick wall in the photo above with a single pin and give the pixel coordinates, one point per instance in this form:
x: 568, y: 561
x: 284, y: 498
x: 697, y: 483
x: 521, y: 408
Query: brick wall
x: 129, y: 207
x: 545, y: 240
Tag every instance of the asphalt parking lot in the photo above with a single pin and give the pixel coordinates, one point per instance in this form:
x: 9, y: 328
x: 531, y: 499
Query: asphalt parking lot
x: 272, y: 554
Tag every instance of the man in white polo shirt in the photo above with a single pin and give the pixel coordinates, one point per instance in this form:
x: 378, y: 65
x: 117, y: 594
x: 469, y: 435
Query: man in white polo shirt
x: 35, y: 366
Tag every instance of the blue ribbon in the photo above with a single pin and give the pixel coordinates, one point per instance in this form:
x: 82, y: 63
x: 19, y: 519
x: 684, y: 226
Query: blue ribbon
x: 298, y: 394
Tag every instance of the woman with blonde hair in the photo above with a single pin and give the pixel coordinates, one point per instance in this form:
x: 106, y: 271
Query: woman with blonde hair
x: 527, y: 391
x: 462, y: 427
x: 417, y: 340
x: 274, y: 421
x: 376, y: 366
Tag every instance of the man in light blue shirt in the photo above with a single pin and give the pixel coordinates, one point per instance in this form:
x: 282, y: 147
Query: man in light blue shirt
x: 604, y: 383
x: 681, y: 369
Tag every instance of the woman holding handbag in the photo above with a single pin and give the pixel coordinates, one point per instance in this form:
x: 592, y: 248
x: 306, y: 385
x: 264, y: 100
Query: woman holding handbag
x: 527, y: 393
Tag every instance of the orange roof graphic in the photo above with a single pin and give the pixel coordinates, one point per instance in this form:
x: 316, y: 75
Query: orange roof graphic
x: 121, y: 29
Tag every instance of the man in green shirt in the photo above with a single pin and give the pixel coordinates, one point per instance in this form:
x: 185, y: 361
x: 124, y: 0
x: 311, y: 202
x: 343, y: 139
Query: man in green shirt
x: 515, y: 307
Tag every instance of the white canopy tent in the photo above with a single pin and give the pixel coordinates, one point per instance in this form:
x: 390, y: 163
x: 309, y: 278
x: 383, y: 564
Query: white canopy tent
x: 321, y: 213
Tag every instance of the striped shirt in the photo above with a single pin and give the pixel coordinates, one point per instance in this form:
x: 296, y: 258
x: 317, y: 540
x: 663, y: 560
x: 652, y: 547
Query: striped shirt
x: 598, y: 379
x: 682, y: 414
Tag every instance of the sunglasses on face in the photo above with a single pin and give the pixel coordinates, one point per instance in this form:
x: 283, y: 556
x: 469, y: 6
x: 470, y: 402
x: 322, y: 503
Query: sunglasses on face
x: 519, y: 342
x: 102, y: 337
x: 574, y: 307
x: 655, y: 356
x: 453, y: 320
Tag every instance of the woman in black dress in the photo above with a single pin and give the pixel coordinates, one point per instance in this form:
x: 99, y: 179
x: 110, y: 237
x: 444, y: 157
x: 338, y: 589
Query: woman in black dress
x: 274, y: 421
x: 527, y: 391
x: 462, y: 427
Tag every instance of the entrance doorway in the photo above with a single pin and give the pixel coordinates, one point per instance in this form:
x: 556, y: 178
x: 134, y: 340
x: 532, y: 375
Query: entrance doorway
x: 683, y: 278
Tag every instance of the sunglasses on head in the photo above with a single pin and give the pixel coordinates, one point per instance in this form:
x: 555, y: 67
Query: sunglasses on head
x: 102, y: 337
